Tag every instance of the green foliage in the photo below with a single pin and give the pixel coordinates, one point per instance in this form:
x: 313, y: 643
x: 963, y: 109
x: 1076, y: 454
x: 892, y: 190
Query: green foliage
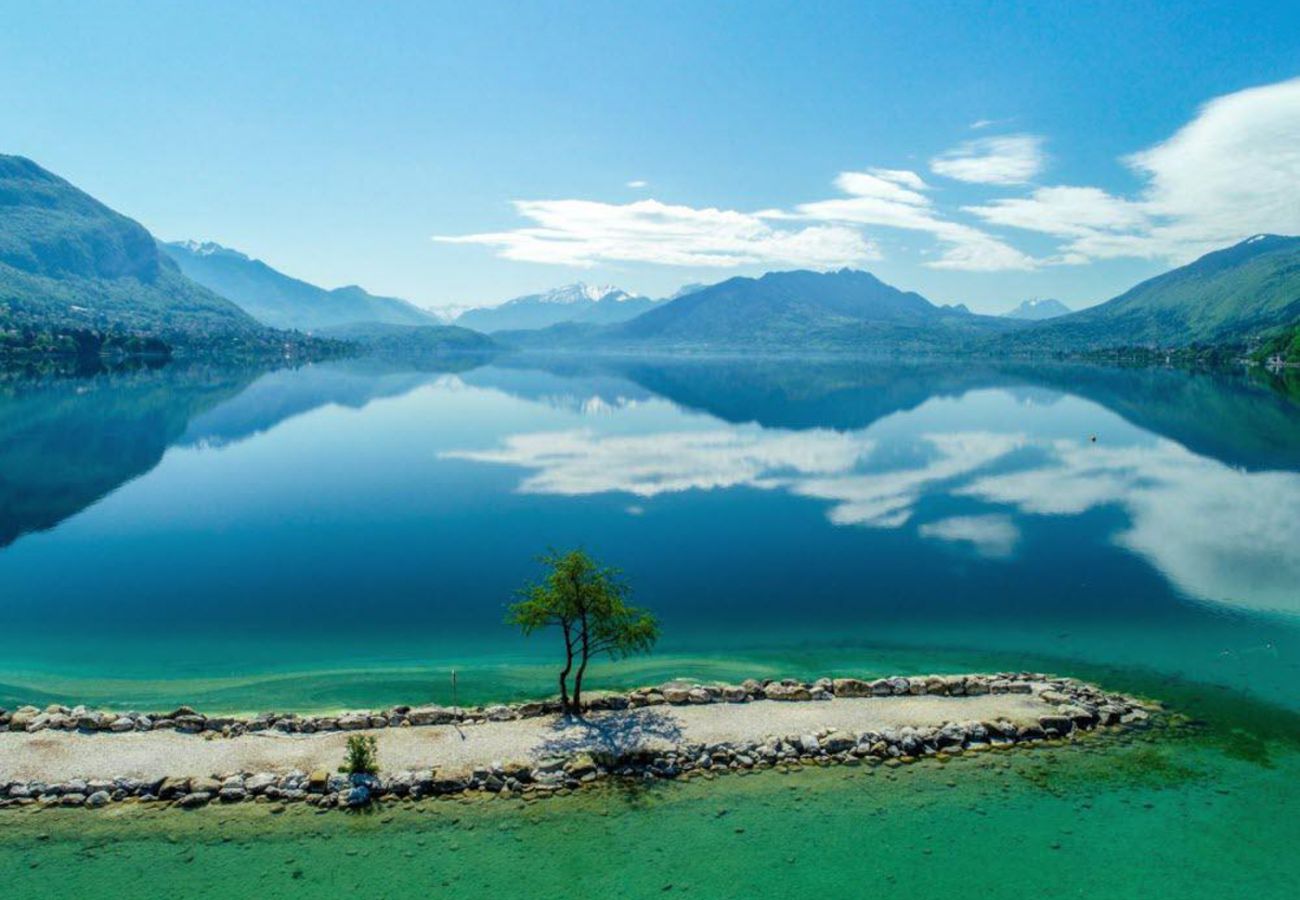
x: 1284, y: 344
x: 362, y: 756
x: 587, y: 602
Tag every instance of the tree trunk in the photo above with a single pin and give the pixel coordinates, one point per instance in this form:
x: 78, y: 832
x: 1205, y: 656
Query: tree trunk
x: 568, y: 667
x: 582, y: 668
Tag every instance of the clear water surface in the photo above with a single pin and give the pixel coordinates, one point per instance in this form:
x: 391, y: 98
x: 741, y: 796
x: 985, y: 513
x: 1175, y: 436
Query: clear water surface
x: 347, y: 534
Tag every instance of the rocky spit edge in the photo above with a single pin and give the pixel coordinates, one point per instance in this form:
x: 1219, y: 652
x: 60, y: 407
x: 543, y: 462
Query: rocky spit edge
x: 1070, y: 707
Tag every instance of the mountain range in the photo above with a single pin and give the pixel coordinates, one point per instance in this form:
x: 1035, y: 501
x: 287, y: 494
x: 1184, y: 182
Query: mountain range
x: 576, y: 303
x: 803, y: 310
x: 281, y: 301
x: 77, y: 277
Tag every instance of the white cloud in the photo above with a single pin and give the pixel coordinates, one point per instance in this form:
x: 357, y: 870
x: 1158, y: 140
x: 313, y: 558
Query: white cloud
x: 892, y: 198
x: 1231, y: 172
x: 586, y: 232
x: 638, y: 184
x: 820, y: 235
x: 992, y: 536
x: 1007, y: 159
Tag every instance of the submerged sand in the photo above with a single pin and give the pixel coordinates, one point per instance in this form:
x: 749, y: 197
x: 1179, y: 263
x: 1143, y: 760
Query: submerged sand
x: 454, y: 750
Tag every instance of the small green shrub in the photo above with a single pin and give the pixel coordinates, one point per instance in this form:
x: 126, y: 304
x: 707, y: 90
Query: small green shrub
x: 362, y: 756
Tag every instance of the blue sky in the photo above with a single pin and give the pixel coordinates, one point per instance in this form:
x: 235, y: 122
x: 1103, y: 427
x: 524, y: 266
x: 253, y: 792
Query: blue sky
x: 977, y: 153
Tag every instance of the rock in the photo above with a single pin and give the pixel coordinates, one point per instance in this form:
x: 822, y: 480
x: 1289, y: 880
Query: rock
x: 851, y: 687
x: 318, y: 781
x: 353, y: 721
x: 258, y: 783
x: 195, y: 800
x: 788, y: 692
x: 22, y: 718
x: 232, y: 795
x: 676, y: 694
x: 734, y: 693
x: 1060, y: 725
x: 98, y: 799
x: 580, y: 765
x: 204, y: 785
x: 358, y: 796
x: 699, y: 696
x: 170, y: 788
x: 431, y: 715
x: 122, y: 724
x: 808, y: 743
x: 837, y: 743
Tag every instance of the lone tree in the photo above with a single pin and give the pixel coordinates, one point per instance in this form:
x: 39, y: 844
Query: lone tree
x: 588, y: 603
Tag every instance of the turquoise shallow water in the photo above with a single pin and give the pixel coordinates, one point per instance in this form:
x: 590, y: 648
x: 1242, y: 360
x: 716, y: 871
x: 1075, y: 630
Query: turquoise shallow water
x: 347, y: 535
x: 1166, y: 819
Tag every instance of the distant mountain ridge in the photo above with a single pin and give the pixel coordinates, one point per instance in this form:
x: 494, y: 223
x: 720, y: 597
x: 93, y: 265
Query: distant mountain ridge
x: 790, y: 311
x: 572, y: 303
x: 282, y: 301
x: 1038, y: 310
x: 78, y: 277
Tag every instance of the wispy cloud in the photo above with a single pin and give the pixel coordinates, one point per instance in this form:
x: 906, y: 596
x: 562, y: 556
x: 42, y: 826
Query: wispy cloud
x: 1006, y: 159
x: 992, y: 536
x: 893, y: 198
x: 587, y: 232
x: 1231, y: 172
x: 638, y: 184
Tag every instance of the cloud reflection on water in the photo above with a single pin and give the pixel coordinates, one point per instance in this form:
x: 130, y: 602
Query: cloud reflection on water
x: 1214, y: 531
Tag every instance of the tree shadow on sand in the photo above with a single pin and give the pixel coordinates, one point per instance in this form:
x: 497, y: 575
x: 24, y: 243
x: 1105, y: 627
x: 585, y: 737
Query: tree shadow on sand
x: 612, y: 735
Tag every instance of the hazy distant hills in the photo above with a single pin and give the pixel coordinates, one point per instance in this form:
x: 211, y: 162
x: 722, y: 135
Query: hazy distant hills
x: 281, y: 301
x: 1038, y: 310
x: 411, y: 339
x: 1228, y: 296
x: 577, y: 303
x: 75, y: 276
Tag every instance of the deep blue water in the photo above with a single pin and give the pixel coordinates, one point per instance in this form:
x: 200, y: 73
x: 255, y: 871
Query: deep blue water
x: 347, y: 533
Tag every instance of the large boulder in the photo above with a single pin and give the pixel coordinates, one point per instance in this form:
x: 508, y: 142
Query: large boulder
x: 787, y: 692
x: 851, y: 687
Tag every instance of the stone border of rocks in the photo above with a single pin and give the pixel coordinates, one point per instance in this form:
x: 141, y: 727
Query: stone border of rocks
x: 1075, y: 706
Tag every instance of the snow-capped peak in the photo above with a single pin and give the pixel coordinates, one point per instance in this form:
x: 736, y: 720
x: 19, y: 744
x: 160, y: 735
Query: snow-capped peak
x: 580, y: 292
x: 207, y: 248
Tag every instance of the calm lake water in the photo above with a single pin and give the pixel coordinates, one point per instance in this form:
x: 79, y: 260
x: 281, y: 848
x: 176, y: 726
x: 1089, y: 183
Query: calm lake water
x: 347, y: 534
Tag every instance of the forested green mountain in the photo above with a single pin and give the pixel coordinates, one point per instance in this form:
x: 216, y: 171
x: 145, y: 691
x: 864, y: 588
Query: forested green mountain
x: 280, y: 301
x: 77, y: 277
x: 1246, y: 291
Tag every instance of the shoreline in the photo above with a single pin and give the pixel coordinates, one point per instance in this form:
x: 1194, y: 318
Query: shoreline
x: 90, y: 759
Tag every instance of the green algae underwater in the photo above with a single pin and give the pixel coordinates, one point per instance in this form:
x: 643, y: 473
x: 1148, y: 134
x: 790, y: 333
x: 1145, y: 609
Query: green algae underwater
x: 1139, y: 815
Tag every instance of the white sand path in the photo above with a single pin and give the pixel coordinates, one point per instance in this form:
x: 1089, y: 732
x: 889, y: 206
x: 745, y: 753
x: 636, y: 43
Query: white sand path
x: 453, y: 750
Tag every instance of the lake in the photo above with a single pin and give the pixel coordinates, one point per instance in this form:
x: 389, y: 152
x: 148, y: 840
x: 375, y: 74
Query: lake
x: 349, y: 534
